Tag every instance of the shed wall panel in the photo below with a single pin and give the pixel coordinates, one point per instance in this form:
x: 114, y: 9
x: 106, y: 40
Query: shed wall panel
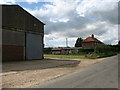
x: 34, y: 46
x: 13, y: 38
x: 15, y: 17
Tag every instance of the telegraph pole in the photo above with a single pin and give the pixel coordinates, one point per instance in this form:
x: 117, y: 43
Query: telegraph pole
x: 66, y: 42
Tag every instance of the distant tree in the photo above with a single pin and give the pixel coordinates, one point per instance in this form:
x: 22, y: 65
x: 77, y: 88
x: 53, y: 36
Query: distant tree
x: 79, y: 42
x: 119, y: 42
x: 47, y: 50
x: 119, y: 46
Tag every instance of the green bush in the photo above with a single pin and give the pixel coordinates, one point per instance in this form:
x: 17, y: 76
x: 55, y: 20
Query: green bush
x: 47, y: 50
x: 107, y: 54
x: 103, y: 50
x: 86, y: 50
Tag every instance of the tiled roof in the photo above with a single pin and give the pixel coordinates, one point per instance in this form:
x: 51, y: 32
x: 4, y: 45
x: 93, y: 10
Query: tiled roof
x: 91, y: 39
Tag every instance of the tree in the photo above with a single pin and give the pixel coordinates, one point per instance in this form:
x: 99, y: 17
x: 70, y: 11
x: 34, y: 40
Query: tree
x: 79, y: 42
x: 119, y: 42
x: 119, y: 46
x: 47, y: 50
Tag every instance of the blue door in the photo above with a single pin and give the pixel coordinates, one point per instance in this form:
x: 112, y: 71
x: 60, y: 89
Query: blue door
x: 34, y: 46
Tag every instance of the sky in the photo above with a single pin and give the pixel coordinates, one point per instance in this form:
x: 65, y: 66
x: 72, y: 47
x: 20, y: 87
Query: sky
x: 74, y: 18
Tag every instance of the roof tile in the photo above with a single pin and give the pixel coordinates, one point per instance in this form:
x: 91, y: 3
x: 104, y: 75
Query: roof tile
x: 91, y: 39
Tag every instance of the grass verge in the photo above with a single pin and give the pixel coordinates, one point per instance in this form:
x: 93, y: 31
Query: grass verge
x: 66, y: 56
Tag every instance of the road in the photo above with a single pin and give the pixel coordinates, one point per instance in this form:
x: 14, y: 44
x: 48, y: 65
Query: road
x: 100, y: 75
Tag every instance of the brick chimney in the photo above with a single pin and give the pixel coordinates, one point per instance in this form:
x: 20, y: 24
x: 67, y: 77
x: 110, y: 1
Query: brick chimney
x: 92, y: 35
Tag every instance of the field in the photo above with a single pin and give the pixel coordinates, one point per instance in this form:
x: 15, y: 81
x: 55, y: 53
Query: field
x: 65, y: 56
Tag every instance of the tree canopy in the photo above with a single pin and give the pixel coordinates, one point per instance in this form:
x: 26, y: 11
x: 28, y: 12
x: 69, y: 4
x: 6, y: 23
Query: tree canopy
x: 119, y: 42
x: 79, y: 42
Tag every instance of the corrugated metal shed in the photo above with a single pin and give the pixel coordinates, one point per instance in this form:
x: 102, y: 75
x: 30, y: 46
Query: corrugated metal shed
x: 18, y: 28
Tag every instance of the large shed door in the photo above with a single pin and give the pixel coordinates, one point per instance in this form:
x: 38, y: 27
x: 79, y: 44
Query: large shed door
x: 34, y: 46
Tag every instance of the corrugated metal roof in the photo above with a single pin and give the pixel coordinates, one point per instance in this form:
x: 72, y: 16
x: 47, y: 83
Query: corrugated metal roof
x: 71, y: 48
x: 57, y: 49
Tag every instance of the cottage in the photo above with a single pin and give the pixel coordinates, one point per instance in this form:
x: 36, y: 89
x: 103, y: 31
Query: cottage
x: 90, y: 42
x: 22, y: 34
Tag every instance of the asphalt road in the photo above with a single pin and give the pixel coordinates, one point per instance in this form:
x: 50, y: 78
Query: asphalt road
x: 100, y: 75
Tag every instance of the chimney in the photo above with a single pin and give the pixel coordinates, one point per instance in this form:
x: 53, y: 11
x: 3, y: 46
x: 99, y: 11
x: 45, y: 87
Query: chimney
x: 92, y: 35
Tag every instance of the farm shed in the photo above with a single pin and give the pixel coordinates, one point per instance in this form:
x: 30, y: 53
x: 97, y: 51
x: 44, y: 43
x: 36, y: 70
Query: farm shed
x: 66, y: 50
x: 22, y: 34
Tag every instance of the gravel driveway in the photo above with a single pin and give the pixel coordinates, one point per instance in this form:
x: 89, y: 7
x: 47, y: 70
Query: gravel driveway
x: 24, y: 74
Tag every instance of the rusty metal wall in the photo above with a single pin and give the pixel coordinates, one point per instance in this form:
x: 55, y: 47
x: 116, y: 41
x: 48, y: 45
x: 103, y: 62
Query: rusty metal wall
x: 12, y: 53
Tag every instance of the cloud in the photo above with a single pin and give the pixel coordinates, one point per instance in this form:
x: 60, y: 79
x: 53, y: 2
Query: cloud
x: 7, y: 1
x: 77, y: 18
x: 110, y: 15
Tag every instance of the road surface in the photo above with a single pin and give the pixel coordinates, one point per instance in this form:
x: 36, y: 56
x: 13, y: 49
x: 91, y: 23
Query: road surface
x: 100, y: 75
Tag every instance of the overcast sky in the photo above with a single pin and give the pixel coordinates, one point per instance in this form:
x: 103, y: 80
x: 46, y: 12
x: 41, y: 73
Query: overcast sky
x: 74, y: 18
